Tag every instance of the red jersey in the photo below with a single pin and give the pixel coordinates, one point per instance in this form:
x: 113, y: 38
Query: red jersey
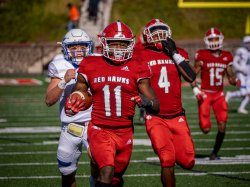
x: 165, y: 80
x: 112, y: 88
x: 213, y: 69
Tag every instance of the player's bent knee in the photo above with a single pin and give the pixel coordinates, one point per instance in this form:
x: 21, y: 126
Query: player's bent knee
x: 189, y: 165
x: 167, y: 161
x: 205, y: 130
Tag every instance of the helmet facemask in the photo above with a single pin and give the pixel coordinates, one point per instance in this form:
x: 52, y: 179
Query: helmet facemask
x: 118, y: 53
x: 214, y: 39
x: 117, y: 41
x: 214, y: 43
x: 153, y: 35
x: 76, y: 46
x: 76, y: 52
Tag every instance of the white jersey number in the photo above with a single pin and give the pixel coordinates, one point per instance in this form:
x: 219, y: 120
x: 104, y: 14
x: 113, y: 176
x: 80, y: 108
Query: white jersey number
x: 163, y: 79
x: 215, y: 76
x: 118, y: 103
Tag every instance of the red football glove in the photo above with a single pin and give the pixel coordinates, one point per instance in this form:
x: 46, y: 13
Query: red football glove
x: 137, y: 100
x: 200, y: 95
x: 74, y: 103
x: 142, y: 101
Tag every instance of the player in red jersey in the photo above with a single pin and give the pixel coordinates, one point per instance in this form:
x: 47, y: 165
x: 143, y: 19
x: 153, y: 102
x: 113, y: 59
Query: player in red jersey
x: 115, y: 80
x: 213, y: 64
x: 168, y: 130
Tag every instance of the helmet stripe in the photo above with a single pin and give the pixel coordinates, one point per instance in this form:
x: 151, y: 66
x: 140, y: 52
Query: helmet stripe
x: 119, y: 26
x: 212, y: 31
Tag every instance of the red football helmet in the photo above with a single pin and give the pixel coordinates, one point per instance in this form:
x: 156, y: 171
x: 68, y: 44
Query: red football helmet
x: 117, y: 32
x: 214, y: 39
x: 155, y: 31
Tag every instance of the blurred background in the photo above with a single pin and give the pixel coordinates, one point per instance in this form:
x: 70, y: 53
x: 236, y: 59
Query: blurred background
x: 29, y: 130
x: 31, y: 28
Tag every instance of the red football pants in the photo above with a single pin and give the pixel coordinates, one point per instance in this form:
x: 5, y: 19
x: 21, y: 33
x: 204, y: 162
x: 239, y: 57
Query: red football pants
x: 171, y: 141
x: 111, y: 147
x: 215, y: 100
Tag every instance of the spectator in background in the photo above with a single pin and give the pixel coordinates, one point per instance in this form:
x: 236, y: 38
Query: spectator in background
x: 74, y: 16
x: 93, y: 10
x: 241, y: 65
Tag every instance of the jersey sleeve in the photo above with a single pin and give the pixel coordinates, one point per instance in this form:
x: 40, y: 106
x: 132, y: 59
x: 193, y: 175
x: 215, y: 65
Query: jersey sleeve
x: 52, y: 70
x: 144, y: 71
x: 57, y: 68
x: 198, y: 56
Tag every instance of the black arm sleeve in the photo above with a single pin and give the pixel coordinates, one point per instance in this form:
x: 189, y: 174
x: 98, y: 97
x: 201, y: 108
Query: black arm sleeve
x: 185, y: 66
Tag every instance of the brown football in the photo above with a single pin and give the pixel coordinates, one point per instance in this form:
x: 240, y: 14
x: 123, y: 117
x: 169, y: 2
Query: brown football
x: 88, y: 100
x: 87, y: 97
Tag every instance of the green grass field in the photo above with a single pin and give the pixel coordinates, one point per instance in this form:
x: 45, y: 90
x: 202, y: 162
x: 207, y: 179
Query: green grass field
x: 29, y: 159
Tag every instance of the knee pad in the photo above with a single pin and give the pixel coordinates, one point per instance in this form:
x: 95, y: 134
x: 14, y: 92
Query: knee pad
x: 66, y: 168
x: 187, y: 165
x: 68, y: 154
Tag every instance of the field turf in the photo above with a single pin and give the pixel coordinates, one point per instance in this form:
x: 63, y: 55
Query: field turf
x: 29, y: 133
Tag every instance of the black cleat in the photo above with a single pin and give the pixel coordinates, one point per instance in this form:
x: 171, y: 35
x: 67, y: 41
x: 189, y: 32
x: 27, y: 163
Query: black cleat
x: 213, y: 156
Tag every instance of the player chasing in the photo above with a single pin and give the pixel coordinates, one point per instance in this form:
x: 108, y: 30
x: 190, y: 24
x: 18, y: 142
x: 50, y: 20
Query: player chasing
x: 213, y: 64
x: 241, y: 65
x: 76, y: 45
x: 168, y: 130
x: 115, y: 80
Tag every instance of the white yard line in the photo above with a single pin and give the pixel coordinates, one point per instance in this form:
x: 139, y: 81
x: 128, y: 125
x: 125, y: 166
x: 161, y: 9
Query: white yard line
x: 30, y: 130
x: 237, y: 160
x: 145, y: 142
x: 132, y: 175
x: 49, y: 129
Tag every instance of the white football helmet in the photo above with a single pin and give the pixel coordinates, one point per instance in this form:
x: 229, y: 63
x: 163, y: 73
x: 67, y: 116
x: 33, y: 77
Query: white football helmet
x: 119, y: 32
x: 246, y: 42
x: 214, y: 39
x: 156, y: 31
x: 82, y: 42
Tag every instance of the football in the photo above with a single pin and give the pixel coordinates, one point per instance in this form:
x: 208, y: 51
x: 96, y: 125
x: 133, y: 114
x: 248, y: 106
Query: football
x: 84, y: 97
x: 88, y: 100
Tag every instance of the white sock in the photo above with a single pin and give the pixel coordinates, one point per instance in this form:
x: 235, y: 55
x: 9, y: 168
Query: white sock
x: 244, y: 102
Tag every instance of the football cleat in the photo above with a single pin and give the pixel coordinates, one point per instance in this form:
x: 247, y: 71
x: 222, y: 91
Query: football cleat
x: 242, y: 111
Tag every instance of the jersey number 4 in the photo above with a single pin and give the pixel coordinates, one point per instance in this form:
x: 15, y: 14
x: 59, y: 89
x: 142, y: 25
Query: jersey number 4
x: 163, y: 81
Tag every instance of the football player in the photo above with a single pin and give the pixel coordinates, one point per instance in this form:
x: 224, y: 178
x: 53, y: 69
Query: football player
x: 241, y: 65
x: 76, y: 45
x: 115, y: 80
x: 213, y: 64
x: 168, y: 130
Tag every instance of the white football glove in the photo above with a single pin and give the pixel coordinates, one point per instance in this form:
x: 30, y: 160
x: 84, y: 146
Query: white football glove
x: 200, y: 95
